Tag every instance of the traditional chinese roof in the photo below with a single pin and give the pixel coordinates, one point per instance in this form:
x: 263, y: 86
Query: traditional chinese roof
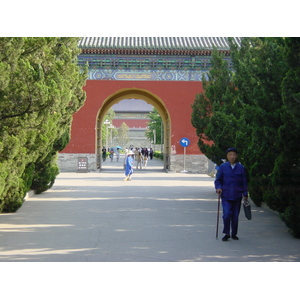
x: 132, y: 105
x: 155, y: 45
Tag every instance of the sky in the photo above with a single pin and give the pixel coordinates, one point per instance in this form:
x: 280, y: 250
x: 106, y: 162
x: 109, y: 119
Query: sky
x: 155, y: 18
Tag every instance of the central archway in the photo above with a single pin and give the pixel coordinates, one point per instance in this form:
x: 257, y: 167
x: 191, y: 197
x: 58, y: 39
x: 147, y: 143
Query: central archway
x: 135, y: 94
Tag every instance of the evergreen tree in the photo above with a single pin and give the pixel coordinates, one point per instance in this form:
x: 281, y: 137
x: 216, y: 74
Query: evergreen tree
x: 259, y: 69
x: 40, y: 90
x: 256, y: 109
x: 285, y: 177
x: 214, y: 112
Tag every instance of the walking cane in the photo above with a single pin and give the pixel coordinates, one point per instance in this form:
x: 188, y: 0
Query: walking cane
x: 219, y: 200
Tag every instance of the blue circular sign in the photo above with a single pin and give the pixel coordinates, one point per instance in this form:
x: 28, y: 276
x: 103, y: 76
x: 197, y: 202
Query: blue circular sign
x: 184, y: 142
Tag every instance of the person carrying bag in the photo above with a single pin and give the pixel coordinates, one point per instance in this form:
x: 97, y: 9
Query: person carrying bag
x: 231, y: 183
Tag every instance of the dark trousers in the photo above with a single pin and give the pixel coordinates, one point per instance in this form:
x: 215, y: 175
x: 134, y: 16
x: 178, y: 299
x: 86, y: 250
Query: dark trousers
x: 231, y: 210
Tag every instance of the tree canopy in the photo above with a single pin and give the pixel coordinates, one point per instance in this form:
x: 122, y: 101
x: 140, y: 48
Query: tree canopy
x: 40, y: 90
x: 255, y: 107
x: 155, y: 125
x: 122, y: 135
x: 108, y: 120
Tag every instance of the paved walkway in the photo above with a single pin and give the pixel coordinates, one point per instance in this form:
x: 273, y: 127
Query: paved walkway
x: 156, y: 217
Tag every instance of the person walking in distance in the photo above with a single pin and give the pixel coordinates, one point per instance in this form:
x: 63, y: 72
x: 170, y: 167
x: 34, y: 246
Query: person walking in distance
x: 139, y: 160
x: 129, y: 166
x: 231, y: 184
x: 104, y: 154
x: 145, y: 160
x: 118, y: 154
x: 111, y: 154
x: 151, y: 153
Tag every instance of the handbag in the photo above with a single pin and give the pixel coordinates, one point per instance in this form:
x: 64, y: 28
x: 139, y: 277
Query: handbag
x: 247, y: 209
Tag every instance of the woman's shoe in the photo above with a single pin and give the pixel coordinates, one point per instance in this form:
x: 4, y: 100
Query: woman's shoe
x: 234, y: 237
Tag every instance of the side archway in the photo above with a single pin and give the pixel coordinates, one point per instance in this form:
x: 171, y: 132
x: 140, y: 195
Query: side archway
x: 135, y: 94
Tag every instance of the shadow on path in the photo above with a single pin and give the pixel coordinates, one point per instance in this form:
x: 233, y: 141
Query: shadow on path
x: 156, y: 217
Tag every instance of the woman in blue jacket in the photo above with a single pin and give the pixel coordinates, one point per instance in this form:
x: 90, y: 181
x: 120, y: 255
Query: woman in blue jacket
x: 129, y: 166
x: 231, y: 183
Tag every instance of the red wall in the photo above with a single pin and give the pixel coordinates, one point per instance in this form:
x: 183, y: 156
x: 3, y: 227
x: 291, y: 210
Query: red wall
x: 178, y: 96
x: 131, y: 123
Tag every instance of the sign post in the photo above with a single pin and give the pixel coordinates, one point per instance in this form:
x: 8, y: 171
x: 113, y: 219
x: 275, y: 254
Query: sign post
x: 184, y: 142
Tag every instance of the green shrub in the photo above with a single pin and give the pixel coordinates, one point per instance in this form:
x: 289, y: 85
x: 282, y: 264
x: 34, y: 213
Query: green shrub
x: 291, y: 217
x: 45, y: 174
x: 158, y: 154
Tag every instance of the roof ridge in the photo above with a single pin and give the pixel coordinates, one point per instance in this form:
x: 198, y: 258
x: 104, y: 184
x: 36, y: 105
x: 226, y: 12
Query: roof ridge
x: 156, y: 43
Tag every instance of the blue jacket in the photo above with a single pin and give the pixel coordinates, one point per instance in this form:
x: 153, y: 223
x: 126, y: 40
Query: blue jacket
x: 233, y: 182
x: 129, y: 165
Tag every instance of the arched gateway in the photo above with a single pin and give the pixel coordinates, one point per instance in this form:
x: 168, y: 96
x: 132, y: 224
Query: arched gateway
x: 164, y: 72
x: 135, y: 93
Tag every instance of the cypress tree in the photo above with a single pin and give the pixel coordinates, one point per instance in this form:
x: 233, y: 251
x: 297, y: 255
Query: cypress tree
x: 260, y: 67
x: 214, y: 111
x: 260, y: 118
x: 40, y: 90
x: 286, y: 175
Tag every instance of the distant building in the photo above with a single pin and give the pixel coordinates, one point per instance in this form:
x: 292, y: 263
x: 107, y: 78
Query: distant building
x: 134, y: 113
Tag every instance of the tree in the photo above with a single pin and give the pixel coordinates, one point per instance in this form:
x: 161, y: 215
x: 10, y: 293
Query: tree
x: 122, y: 137
x: 285, y: 176
x: 256, y: 109
x: 108, y: 119
x: 260, y: 67
x: 214, y: 112
x: 40, y: 90
x: 155, y: 125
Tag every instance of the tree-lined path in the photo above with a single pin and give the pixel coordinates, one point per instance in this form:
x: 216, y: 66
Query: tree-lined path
x: 156, y: 217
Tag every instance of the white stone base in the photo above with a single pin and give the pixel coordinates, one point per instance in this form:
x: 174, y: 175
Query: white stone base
x: 68, y: 162
x: 193, y: 163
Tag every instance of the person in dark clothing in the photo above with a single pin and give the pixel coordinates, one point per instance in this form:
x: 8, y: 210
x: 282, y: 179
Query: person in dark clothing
x: 231, y: 184
x: 151, y: 153
x: 104, y: 154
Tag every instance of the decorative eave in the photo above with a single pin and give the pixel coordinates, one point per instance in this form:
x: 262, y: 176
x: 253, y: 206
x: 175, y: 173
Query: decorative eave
x: 151, y: 52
